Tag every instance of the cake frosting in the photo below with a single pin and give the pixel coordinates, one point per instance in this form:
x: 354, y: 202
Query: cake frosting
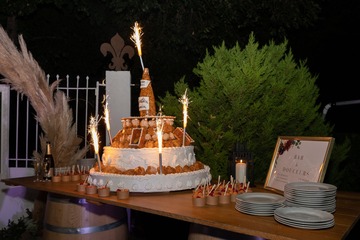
x: 132, y: 158
x: 137, y: 161
x: 152, y: 183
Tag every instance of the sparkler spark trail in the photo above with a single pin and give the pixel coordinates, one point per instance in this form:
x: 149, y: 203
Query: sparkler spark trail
x: 185, y: 102
x: 107, y: 118
x: 95, y: 137
x: 136, y: 38
x: 159, y: 129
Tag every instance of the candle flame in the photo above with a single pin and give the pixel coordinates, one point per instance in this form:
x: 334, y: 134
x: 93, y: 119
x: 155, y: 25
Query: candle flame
x: 136, y: 37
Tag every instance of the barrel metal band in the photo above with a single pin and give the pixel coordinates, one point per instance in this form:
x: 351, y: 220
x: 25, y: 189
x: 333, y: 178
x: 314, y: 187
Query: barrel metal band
x: 84, y: 230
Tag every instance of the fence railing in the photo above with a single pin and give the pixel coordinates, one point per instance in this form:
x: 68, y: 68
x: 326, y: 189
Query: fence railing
x: 84, y: 100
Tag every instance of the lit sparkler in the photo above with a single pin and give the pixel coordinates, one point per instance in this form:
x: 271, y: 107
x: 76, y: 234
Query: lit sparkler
x: 136, y: 38
x: 95, y: 137
x: 107, y: 118
x: 159, y: 129
x: 185, y: 102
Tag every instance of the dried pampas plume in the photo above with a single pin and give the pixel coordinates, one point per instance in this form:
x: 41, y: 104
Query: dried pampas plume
x: 53, y: 113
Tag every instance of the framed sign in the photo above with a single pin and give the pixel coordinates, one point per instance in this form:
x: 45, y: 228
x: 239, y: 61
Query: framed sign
x: 298, y: 159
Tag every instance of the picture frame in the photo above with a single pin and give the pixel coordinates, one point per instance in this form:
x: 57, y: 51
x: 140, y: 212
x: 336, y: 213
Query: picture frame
x: 298, y: 159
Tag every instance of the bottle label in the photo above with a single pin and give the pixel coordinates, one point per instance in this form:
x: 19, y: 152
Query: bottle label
x: 47, y: 170
x: 144, y: 103
x: 144, y: 83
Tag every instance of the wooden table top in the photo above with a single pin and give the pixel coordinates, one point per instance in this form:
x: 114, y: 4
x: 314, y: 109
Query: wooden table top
x: 178, y: 205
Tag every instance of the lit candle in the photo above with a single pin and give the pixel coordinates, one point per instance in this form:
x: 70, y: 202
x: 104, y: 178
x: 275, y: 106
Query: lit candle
x: 95, y: 138
x: 241, y: 172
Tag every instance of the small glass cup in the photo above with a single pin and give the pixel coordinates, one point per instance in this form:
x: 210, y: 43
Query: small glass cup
x: 37, y: 170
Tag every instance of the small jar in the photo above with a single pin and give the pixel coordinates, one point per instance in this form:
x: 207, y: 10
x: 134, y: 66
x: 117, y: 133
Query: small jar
x: 103, y: 191
x: 65, y: 178
x: 224, y: 199
x: 198, y: 201
x: 75, y: 177
x: 122, y: 193
x: 212, y: 200
x: 56, y: 179
x: 90, y: 189
x: 81, y: 187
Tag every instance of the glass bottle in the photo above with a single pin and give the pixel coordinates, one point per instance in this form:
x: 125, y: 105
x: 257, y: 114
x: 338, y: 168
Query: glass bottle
x: 48, y: 163
x: 146, y: 98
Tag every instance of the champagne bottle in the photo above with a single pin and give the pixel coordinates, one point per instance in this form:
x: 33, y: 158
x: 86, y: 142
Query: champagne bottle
x: 146, y: 98
x: 48, y: 163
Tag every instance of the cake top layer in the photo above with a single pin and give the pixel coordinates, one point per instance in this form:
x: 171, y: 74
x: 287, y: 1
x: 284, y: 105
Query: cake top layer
x: 141, y: 132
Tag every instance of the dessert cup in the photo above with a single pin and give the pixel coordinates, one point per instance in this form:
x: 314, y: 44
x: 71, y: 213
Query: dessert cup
x: 122, y: 194
x: 224, y: 199
x: 81, y: 187
x: 75, y: 177
x: 198, y: 201
x: 104, y: 191
x: 90, y: 189
x: 56, y: 178
x: 212, y: 200
x: 65, y: 178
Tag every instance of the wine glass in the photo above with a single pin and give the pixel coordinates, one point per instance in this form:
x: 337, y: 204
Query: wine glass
x: 37, y: 169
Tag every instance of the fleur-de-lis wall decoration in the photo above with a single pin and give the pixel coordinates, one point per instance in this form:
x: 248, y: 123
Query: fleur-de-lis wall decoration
x: 118, y: 50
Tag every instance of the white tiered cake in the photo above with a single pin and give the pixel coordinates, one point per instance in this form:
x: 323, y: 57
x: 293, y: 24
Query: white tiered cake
x: 133, y: 160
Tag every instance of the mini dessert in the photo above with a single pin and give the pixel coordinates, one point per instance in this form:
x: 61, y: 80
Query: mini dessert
x: 103, y: 191
x: 198, y: 197
x: 81, y: 186
x: 65, y: 177
x: 90, y: 189
x: 56, y: 178
x: 122, y: 193
x: 75, y: 177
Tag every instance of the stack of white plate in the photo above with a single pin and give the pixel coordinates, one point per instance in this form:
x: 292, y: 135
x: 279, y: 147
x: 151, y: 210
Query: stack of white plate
x: 319, y: 196
x: 306, y: 218
x: 259, y: 204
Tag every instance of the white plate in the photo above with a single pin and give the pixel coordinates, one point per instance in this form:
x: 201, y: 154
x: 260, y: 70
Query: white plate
x: 310, y: 200
x: 258, y: 207
x: 255, y: 213
x: 306, y: 215
x: 327, y: 208
x: 310, y: 186
x: 305, y: 226
x: 260, y: 198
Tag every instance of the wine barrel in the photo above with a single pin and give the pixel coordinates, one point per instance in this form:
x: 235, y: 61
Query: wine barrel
x: 78, y: 219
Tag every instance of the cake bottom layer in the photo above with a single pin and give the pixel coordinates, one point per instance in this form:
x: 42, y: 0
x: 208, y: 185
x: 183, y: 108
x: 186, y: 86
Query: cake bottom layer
x: 151, y: 182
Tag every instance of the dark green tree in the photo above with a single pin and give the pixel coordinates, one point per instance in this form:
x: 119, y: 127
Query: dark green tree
x: 252, y: 96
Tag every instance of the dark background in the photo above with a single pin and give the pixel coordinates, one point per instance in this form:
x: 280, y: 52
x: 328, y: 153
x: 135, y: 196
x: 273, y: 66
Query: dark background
x: 66, y: 39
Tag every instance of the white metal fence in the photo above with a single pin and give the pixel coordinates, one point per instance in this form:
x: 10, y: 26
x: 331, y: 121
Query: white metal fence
x: 84, y: 99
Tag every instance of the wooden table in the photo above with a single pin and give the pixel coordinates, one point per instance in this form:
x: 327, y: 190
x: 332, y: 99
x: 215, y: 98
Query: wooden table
x: 178, y: 205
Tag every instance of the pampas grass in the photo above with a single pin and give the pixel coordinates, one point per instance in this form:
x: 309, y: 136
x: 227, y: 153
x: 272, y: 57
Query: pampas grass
x: 53, y: 113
